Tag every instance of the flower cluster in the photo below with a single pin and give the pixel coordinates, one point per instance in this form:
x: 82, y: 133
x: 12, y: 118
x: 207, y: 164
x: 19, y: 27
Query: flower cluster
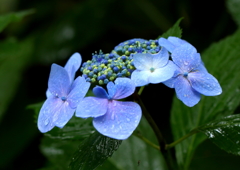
x: 133, y: 63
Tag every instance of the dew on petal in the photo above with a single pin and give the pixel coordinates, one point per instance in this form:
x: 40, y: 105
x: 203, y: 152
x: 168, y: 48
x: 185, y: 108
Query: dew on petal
x: 46, y: 122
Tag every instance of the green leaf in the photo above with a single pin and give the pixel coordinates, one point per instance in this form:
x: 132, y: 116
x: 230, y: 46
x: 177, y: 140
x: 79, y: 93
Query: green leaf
x: 93, y: 151
x: 75, y: 129
x: 222, y: 60
x: 135, y: 154
x: 14, y: 57
x: 233, y: 7
x: 225, y: 133
x: 13, y: 17
x: 175, y: 31
x: 58, y: 152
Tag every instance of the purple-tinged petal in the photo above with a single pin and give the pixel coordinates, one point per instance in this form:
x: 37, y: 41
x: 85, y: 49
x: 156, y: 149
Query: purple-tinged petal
x: 58, y: 83
x: 111, y: 89
x: 186, y: 57
x: 177, y: 41
x: 162, y: 74
x: 64, y: 114
x: 124, y: 88
x: 142, y: 61
x: 100, y: 92
x: 170, y: 82
x: 140, y: 78
x: 167, y: 44
x: 185, y: 92
x: 120, y: 121
x: 47, y: 112
x: 78, y: 91
x: 92, y: 107
x: 160, y: 59
x: 205, y: 83
x: 73, y: 65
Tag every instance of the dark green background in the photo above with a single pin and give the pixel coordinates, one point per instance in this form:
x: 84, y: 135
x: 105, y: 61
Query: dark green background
x: 59, y: 28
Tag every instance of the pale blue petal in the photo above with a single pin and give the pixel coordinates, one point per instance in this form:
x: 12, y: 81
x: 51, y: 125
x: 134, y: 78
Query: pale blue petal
x: 64, y: 114
x: 205, y: 83
x: 186, y: 57
x: 124, y: 88
x: 58, y: 83
x: 140, y: 78
x: 78, y: 91
x: 167, y: 44
x: 120, y: 121
x: 45, y: 118
x: 185, y: 92
x: 73, y: 65
x: 111, y: 89
x: 92, y: 107
x: 160, y: 59
x: 177, y: 41
x: 142, y: 61
x: 170, y: 82
x: 48, y: 93
x: 100, y: 92
x: 162, y: 74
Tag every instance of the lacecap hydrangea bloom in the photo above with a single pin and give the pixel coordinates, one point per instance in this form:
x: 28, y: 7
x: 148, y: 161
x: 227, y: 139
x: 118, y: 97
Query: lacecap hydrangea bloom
x: 191, y: 78
x: 112, y: 118
x: 104, y: 68
x: 152, y: 68
x: 63, y: 95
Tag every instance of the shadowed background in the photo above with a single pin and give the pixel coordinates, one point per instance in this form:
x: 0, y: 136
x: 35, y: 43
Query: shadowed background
x: 56, y: 29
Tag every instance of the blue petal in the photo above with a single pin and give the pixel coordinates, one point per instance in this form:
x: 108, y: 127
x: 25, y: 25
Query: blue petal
x: 170, y: 82
x: 64, y: 114
x: 92, y: 107
x: 140, y: 78
x: 111, y: 89
x: 142, y: 61
x: 46, y: 116
x: 186, y: 57
x: 185, y: 92
x: 100, y: 92
x: 78, y: 91
x: 162, y: 74
x: 73, y: 65
x: 58, y: 83
x: 48, y: 93
x: 124, y: 88
x: 177, y: 41
x: 160, y: 59
x: 120, y: 121
x: 205, y: 83
x: 167, y: 44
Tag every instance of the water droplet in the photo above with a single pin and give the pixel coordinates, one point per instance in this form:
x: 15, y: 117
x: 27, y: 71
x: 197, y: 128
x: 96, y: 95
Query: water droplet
x: 46, y: 122
x: 128, y: 119
x: 185, y: 63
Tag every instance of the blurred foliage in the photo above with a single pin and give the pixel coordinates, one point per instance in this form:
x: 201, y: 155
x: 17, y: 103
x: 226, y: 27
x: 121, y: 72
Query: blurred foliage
x: 58, y: 28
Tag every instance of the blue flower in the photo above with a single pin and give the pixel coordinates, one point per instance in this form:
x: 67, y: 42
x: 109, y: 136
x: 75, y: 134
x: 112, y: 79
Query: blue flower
x: 65, y: 95
x: 71, y: 67
x: 112, y: 118
x: 152, y: 68
x: 191, y: 79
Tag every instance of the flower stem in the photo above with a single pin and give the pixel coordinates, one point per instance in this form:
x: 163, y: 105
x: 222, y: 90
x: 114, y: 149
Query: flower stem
x: 140, y: 90
x: 168, y: 146
x: 139, y: 135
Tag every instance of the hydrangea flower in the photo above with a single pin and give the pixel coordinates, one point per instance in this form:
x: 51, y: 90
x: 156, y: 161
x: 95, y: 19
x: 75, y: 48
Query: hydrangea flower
x: 112, y: 118
x: 191, y: 79
x: 152, y: 68
x: 71, y: 67
x: 65, y: 95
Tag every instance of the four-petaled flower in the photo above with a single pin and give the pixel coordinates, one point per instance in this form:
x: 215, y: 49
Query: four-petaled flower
x: 64, y: 95
x: 112, y: 118
x: 191, y: 79
x: 152, y: 68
